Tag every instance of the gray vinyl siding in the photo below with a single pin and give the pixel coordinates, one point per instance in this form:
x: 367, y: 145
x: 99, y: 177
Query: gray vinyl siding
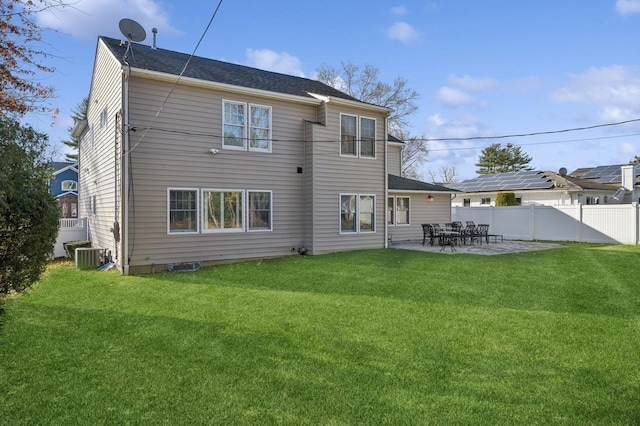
x: 334, y: 175
x: 421, y: 211
x: 97, y: 160
x: 181, y: 159
x: 394, y: 159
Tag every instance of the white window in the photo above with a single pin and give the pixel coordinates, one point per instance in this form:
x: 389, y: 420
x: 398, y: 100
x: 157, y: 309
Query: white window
x: 398, y: 211
x: 222, y: 210
x: 238, y: 126
x: 367, y: 137
x: 485, y: 201
x: 348, y: 134
x: 69, y: 185
x: 357, y: 136
x: 402, y: 211
x: 259, y: 210
x: 357, y: 213
x: 183, y: 211
x: 103, y: 118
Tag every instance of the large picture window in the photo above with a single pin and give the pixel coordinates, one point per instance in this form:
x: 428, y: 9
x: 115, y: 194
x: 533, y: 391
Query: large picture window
x: 357, y: 213
x: 242, y: 122
x: 222, y: 210
x: 183, y: 211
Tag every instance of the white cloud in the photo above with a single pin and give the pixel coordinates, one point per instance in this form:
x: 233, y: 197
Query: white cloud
x: 454, y: 97
x: 399, y: 10
x: 87, y: 19
x: 627, y: 7
x: 401, y: 31
x: 472, y: 84
x: 615, y: 90
x: 273, y: 61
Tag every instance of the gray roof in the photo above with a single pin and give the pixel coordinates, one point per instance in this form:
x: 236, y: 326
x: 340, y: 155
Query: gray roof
x: 604, y: 174
x: 170, y: 62
x: 398, y: 183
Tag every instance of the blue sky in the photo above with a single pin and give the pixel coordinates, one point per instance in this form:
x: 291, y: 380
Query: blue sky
x: 482, y: 68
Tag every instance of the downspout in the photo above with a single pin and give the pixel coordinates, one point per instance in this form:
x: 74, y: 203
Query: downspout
x: 125, y: 167
x: 386, y: 181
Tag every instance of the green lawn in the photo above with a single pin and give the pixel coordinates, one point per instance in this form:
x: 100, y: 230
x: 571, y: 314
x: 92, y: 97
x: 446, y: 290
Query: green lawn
x: 370, y: 337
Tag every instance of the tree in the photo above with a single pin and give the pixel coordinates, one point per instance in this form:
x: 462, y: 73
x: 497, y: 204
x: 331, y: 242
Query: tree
x: 506, y: 199
x: 363, y: 84
x: 20, y: 54
x: 414, y: 153
x: 445, y: 175
x: 79, y: 114
x: 28, y: 213
x: 498, y: 159
x: 636, y: 160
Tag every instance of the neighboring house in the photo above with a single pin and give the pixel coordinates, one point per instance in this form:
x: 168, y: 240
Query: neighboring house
x: 226, y: 162
x: 533, y: 187
x: 64, y: 186
x: 624, y: 177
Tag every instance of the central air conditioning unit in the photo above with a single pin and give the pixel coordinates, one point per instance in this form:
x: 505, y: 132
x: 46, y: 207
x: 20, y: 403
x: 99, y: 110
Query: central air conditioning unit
x: 87, y: 257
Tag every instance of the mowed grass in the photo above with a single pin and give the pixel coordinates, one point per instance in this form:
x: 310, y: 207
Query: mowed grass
x: 369, y: 337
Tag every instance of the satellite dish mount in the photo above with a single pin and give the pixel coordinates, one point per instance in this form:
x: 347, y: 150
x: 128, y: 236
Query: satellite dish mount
x: 133, y: 32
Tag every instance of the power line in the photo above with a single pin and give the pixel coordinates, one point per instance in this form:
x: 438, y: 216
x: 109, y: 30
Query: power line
x: 184, y: 69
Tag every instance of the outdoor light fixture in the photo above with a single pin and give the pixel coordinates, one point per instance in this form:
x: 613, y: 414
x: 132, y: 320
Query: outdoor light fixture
x: 430, y: 198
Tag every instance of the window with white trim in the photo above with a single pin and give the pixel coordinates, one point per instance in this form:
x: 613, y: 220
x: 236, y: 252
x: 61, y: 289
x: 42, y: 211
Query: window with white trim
x: 485, y: 201
x: 103, y: 118
x: 367, y: 137
x: 69, y: 185
x: 403, y: 210
x: 222, y: 210
x: 357, y: 136
x: 398, y: 210
x: 259, y: 210
x: 183, y: 210
x: 242, y: 122
x: 357, y: 213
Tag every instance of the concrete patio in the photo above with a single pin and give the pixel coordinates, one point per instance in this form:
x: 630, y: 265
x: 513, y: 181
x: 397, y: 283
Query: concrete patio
x: 487, y: 249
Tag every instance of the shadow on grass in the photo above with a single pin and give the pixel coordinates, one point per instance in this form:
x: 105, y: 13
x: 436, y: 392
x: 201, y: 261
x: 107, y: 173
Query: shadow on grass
x: 123, y: 367
x: 577, y: 280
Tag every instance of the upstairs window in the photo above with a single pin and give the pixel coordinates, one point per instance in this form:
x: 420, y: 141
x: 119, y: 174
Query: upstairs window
x: 69, y: 185
x: 243, y: 122
x: 357, y: 136
x: 103, y: 118
x: 348, y: 134
x: 367, y: 137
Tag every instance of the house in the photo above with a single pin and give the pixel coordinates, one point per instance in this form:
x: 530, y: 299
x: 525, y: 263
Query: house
x: 215, y: 162
x: 64, y: 186
x: 534, y: 187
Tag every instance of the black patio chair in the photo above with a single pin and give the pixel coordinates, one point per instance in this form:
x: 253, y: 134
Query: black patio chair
x: 427, y: 232
x: 469, y: 234
x: 482, y: 230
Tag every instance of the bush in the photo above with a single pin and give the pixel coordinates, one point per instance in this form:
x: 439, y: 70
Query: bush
x: 71, y: 246
x: 506, y: 199
x: 28, y: 213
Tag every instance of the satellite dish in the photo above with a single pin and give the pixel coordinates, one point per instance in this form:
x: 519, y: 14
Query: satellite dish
x: 132, y: 30
x: 563, y: 171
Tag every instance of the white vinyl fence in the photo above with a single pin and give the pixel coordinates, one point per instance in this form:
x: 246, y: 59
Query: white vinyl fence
x: 69, y: 230
x: 618, y: 223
